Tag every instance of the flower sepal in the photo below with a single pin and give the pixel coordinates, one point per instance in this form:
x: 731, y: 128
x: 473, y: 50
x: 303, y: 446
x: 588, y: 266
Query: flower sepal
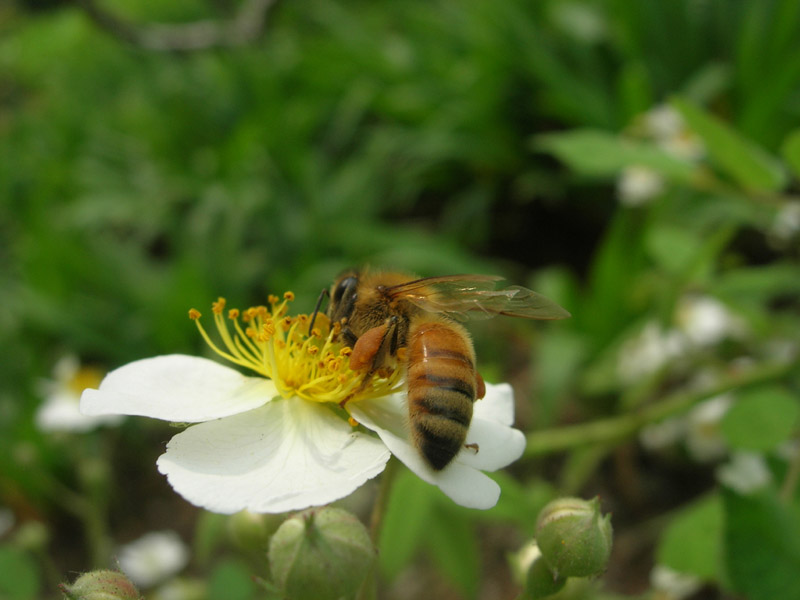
x: 321, y: 554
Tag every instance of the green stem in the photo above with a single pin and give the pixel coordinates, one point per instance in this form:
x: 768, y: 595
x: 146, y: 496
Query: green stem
x: 624, y: 426
x: 790, y: 481
x: 382, y: 500
x: 369, y: 589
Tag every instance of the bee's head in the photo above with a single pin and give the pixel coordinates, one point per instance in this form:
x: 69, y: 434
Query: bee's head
x: 344, y: 293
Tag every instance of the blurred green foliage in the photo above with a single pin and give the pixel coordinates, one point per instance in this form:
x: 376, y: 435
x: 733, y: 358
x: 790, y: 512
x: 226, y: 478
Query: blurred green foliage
x: 435, y: 137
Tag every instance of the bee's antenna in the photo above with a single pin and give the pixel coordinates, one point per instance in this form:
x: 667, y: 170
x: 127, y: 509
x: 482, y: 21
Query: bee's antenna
x: 324, y: 292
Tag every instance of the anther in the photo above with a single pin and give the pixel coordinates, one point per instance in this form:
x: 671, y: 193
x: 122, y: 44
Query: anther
x: 194, y: 314
x: 233, y: 314
x: 288, y: 296
x: 218, y: 306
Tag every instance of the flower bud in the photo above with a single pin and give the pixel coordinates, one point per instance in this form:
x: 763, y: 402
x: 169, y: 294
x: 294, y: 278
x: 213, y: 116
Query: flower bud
x: 541, y: 581
x: 101, y: 585
x: 320, y: 554
x: 574, y: 537
x: 530, y: 570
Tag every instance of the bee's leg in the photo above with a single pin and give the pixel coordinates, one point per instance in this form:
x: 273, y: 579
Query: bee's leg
x: 480, y: 386
x: 323, y: 294
x: 473, y: 447
x: 372, y: 351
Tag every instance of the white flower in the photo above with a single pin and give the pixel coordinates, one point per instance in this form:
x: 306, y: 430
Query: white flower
x: 669, y: 584
x: 663, y: 434
x: 153, y: 557
x: 638, y: 185
x: 648, y: 351
x: 60, y: 410
x: 281, y: 444
x: 787, y: 222
x: 666, y: 127
x: 705, y: 321
x: 704, y: 440
x: 663, y: 122
x: 747, y: 472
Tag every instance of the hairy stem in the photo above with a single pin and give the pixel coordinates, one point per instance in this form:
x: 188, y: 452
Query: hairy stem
x: 626, y: 425
x: 369, y: 589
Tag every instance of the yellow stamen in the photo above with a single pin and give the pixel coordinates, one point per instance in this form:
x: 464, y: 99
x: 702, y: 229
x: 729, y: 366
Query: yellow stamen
x: 279, y: 347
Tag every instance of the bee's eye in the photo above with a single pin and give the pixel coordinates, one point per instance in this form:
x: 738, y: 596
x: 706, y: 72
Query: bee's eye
x: 346, y: 287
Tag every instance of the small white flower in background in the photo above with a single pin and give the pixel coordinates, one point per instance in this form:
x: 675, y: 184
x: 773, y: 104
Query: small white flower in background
x: 704, y: 441
x: 62, y: 394
x: 153, y: 558
x: 700, y: 322
x: 669, y: 584
x: 281, y: 441
x: 663, y: 122
x: 706, y: 321
x: 747, y: 472
x: 648, y: 351
x: 638, y: 185
x: 666, y: 126
x: 663, y: 434
x: 786, y: 225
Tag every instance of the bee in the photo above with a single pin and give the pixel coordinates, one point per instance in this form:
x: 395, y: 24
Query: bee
x: 389, y: 318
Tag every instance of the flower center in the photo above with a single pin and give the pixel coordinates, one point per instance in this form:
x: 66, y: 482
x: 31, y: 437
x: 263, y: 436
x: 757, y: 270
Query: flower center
x: 313, y: 365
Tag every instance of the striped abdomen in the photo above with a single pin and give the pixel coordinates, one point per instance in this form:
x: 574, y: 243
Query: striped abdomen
x: 441, y: 390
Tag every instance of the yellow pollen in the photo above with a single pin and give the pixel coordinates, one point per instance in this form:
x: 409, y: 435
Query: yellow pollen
x: 274, y: 345
x: 85, y: 377
x: 218, y: 306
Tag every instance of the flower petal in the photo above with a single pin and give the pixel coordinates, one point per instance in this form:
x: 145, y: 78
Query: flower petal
x: 60, y: 413
x: 460, y: 480
x: 497, y: 445
x: 496, y: 405
x: 286, y: 455
x: 177, y: 387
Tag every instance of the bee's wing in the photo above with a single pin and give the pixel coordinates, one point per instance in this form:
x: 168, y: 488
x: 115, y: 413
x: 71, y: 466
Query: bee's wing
x: 472, y: 297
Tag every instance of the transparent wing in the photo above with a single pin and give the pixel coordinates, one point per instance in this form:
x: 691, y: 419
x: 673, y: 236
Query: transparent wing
x: 472, y: 297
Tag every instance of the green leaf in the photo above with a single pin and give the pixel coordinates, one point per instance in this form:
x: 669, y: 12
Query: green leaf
x: 454, y: 547
x: 758, y: 284
x: 762, y: 547
x: 761, y: 418
x: 740, y: 158
x: 599, y: 153
x: 674, y: 248
x: 19, y: 576
x: 559, y: 353
x: 692, y: 542
x: 791, y: 151
x: 231, y: 580
x: 405, y: 522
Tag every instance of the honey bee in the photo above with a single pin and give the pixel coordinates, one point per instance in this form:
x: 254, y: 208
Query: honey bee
x: 390, y: 316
